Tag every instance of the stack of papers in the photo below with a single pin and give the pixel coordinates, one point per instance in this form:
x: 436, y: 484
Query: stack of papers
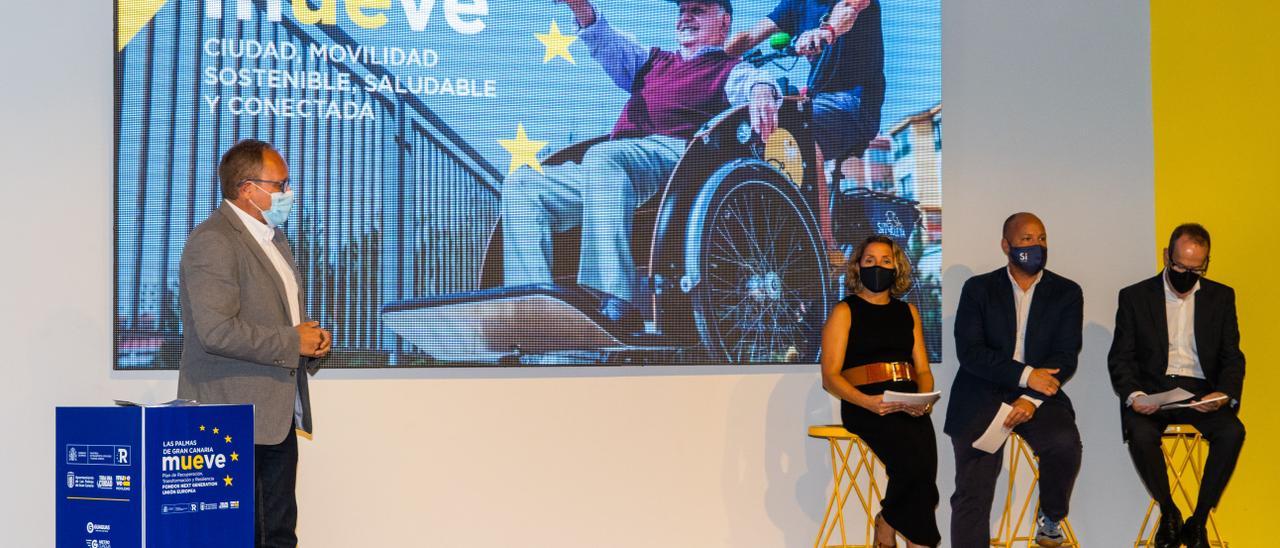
x: 1164, y: 398
x: 1191, y: 403
x: 912, y: 398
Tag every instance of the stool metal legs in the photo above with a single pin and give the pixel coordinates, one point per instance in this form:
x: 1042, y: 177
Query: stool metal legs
x: 850, y: 481
x: 1010, y: 532
x: 1183, y: 452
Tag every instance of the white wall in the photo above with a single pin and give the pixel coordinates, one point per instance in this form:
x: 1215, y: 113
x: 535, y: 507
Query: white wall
x: 1047, y: 109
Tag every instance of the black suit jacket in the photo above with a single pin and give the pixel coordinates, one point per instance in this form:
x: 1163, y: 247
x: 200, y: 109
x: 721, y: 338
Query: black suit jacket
x: 986, y: 325
x: 1139, y: 356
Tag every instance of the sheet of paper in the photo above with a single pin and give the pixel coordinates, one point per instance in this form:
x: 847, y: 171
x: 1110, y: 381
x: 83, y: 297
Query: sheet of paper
x: 993, y: 439
x: 1164, y: 398
x: 912, y: 398
x: 1191, y: 403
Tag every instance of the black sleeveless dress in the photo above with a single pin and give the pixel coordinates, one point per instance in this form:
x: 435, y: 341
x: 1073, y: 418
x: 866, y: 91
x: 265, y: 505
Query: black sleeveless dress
x: 880, y: 333
x: 906, y: 444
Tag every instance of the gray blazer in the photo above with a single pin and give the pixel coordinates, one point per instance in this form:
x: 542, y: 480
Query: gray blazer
x: 238, y: 344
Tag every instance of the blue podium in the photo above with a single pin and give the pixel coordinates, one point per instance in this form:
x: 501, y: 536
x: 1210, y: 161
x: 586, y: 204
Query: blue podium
x: 151, y: 477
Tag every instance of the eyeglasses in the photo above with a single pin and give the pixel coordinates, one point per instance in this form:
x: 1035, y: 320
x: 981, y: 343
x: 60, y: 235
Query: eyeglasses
x: 1182, y: 268
x: 283, y: 185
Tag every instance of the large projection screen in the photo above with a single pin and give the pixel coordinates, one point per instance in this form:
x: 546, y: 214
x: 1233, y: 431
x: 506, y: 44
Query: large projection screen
x: 429, y: 141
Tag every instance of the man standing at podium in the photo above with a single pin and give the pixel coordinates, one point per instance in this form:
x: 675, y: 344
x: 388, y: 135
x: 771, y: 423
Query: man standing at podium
x: 1179, y: 330
x: 244, y: 338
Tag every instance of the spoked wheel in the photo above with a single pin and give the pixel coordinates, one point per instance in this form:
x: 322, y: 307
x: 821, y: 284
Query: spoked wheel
x: 761, y: 296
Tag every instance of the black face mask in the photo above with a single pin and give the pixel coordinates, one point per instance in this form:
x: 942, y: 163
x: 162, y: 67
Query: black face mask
x: 1182, y: 282
x: 876, y: 278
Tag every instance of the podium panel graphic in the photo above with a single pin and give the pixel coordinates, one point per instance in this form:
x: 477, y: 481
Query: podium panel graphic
x: 155, y: 476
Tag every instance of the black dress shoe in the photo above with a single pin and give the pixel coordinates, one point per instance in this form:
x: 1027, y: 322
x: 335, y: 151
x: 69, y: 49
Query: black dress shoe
x: 1170, y: 528
x: 1194, y: 535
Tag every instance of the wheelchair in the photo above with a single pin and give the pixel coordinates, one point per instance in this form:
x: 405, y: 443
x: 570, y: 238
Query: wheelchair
x: 740, y: 253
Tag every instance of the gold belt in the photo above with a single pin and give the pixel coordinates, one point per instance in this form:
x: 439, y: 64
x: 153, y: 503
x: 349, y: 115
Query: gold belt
x: 879, y: 372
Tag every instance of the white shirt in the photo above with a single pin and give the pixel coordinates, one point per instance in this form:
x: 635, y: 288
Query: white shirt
x: 1180, y: 318
x: 264, y: 235
x: 1022, y: 308
x: 1180, y: 314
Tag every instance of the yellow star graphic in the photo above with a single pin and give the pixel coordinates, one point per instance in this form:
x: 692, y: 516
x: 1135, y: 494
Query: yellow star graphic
x: 202, y: 428
x: 524, y: 152
x: 227, y: 480
x: 228, y: 438
x: 557, y: 44
x: 235, y: 456
x: 215, y: 430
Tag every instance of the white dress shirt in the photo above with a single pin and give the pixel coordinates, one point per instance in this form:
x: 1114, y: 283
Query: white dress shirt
x: 1180, y: 319
x: 265, y: 235
x: 1022, y: 307
x: 1180, y: 315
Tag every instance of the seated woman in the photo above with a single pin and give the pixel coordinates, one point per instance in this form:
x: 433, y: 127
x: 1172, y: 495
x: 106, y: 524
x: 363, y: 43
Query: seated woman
x: 874, y: 342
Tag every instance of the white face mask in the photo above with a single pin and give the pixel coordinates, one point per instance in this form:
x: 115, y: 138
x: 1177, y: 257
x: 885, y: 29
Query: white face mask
x: 281, y: 205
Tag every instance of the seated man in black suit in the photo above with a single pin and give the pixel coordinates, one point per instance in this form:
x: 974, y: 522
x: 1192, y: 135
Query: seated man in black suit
x: 1018, y: 332
x: 1179, y: 330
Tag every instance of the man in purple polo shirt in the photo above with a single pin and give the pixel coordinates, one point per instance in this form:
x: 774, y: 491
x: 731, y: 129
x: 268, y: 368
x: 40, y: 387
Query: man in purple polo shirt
x: 672, y: 94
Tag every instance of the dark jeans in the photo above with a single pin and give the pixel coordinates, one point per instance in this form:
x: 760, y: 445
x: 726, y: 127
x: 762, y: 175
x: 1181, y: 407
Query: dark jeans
x: 1053, y: 437
x: 1222, y: 429
x: 275, y: 507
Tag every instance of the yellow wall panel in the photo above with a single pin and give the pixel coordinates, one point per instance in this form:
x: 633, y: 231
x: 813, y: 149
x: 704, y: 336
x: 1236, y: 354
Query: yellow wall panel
x: 1215, y: 73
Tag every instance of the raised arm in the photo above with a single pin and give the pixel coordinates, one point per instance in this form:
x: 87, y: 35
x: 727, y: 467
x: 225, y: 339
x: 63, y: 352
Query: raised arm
x: 583, y: 11
x: 741, y: 42
x: 620, y: 55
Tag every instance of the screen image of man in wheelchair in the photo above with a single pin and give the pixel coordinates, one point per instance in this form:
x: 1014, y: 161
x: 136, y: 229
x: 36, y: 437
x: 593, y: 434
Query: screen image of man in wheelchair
x: 673, y: 93
x: 845, y: 46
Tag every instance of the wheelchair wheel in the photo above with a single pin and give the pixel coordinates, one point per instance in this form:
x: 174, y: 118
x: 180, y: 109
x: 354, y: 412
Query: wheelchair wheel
x: 761, y: 295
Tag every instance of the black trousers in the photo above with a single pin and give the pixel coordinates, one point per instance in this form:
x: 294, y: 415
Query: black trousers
x: 1053, y: 437
x: 275, y: 505
x: 1222, y: 429
x: 908, y: 448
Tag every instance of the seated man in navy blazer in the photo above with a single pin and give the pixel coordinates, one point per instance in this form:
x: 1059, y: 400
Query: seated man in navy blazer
x: 1018, y: 333
x: 1179, y: 330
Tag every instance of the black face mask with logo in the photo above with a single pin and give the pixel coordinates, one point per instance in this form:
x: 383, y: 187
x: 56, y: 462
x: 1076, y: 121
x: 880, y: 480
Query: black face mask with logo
x: 876, y: 278
x: 1182, y: 282
x: 1030, y: 259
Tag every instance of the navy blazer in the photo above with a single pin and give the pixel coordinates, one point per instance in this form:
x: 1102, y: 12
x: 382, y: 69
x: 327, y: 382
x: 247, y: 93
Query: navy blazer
x: 1139, y: 355
x: 985, y: 331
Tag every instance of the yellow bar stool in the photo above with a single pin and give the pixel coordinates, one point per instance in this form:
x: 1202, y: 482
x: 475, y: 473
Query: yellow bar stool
x: 1184, y: 454
x: 1019, y: 529
x: 859, y: 480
